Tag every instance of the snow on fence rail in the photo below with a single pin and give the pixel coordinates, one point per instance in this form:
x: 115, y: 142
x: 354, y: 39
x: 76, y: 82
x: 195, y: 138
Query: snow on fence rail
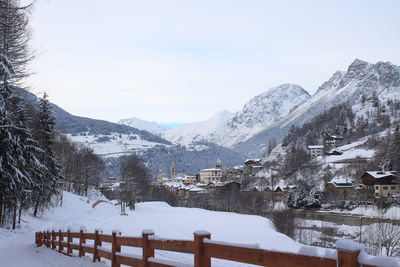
x: 202, y: 247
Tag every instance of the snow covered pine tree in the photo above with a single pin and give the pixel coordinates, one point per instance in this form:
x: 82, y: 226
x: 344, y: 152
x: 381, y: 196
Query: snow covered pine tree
x: 47, y: 186
x: 19, y: 165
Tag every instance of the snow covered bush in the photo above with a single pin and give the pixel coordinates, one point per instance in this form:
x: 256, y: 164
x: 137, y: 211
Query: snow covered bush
x: 306, y: 197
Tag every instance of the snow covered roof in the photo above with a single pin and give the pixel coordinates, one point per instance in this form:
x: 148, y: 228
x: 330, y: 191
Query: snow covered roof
x: 196, y: 189
x: 256, y: 160
x: 381, y: 174
x: 224, y: 183
x: 315, y: 146
x: 341, y: 181
x: 335, y: 137
x: 211, y: 169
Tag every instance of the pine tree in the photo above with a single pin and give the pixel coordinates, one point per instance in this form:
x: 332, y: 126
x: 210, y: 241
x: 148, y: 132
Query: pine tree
x: 19, y: 165
x: 46, y: 185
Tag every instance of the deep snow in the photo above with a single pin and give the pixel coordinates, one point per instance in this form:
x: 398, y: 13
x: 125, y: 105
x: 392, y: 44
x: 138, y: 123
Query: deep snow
x: 17, y: 247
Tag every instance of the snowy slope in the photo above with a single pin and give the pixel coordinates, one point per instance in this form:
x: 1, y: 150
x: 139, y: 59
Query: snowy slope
x: 114, y: 144
x: 260, y: 112
x: 199, y: 131
x: 361, y: 79
x: 17, y: 247
x: 150, y: 126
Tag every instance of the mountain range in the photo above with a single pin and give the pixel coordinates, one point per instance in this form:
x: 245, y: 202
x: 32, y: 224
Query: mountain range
x: 272, y: 113
x: 361, y: 80
x: 246, y: 132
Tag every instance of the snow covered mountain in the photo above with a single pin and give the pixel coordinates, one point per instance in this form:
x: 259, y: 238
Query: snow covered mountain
x: 228, y: 129
x: 150, y: 126
x: 199, y: 131
x: 362, y: 80
x: 261, y: 112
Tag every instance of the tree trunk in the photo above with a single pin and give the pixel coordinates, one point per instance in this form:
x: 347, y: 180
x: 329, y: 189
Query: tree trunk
x: 14, y: 223
x: 20, y: 212
x: 1, y: 209
x: 35, y: 211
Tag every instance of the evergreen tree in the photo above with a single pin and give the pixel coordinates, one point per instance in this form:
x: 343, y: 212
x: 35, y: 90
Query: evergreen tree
x: 19, y: 165
x: 46, y: 185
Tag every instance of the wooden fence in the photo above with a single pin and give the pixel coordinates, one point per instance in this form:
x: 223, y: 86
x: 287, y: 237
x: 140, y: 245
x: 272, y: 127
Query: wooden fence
x: 201, y: 246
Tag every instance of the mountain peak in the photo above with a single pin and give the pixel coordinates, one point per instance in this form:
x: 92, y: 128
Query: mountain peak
x: 269, y: 106
x: 357, y: 68
x: 287, y: 88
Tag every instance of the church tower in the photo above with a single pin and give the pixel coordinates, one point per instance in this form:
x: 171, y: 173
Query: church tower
x: 173, y: 170
x: 218, y: 164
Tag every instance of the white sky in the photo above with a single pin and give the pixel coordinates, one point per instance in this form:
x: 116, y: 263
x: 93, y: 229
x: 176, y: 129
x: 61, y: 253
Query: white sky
x: 175, y: 61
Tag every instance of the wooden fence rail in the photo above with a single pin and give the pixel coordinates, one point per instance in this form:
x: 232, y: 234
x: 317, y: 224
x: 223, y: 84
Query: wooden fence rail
x: 202, y: 247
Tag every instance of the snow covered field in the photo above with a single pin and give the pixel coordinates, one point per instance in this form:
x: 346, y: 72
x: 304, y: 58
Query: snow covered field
x: 114, y: 145
x: 17, y: 247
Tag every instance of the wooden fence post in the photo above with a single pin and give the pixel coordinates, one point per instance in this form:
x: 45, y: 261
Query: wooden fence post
x: 37, y: 242
x: 47, y: 238
x: 60, y: 240
x: 96, y: 244
x: 43, y: 238
x: 82, y: 240
x: 200, y: 260
x: 69, y: 240
x: 53, y: 239
x: 147, y: 250
x: 114, y: 249
x: 347, y: 258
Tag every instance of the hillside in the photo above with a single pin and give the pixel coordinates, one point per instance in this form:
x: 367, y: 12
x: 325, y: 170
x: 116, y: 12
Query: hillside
x: 227, y: 129
x: 76, y: 125
x: 199, y: 131
x: 361, y: 81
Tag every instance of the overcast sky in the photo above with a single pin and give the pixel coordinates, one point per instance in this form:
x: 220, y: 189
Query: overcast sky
x: 180, y: 61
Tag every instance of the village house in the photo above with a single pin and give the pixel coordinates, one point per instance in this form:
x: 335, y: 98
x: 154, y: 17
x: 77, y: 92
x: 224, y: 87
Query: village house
x: 231, y: 174
x: 161, y: 178
x: 252, y: 166
x: 190, y: 180
x: 332, y: 141
x: 229, y: 186
x: 207, y: 176
x: 382, y: 183
x: 316, y: 150
x: 340, y: 188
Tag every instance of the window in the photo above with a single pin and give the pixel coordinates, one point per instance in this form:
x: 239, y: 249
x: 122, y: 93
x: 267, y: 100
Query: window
x: 393, y: 187
x: 385, y: 188
x: 377, y: 194
x: 376, y: 187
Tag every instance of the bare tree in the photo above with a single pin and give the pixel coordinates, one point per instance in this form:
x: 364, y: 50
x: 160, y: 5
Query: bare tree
x: 382, y: 239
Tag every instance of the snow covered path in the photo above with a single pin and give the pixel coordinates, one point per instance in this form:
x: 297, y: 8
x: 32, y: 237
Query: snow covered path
x: 17, y: 247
